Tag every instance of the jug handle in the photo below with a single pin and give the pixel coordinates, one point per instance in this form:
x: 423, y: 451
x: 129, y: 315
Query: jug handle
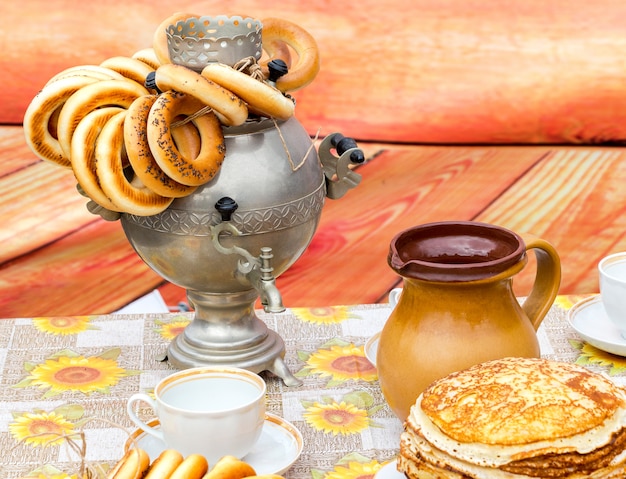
x: 547, y: 279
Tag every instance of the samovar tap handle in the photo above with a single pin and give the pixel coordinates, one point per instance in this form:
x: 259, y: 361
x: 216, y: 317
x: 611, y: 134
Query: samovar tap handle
x: 339, y: 176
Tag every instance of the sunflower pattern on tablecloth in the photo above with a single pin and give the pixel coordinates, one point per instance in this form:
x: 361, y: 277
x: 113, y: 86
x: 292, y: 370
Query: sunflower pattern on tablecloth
x: 169, y: 329
x: 351, y: 414
x: 50, y: 472
x: 69, y: 371
x: 339, y: 361
x: 324, y: 315
x: 352, y: 466
x: 64, y: 325
x: 565, y: 302
x: 41, y: 428
x: 590, y: 355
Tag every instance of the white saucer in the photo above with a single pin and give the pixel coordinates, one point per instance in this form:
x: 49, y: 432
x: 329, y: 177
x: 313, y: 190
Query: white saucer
x: 371, y: 346
x: 279, y: 446
x: 389, y: 471
x: 590, y: 321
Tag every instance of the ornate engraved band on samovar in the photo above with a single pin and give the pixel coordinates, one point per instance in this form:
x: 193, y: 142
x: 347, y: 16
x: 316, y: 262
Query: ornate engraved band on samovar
x: 223, y: 232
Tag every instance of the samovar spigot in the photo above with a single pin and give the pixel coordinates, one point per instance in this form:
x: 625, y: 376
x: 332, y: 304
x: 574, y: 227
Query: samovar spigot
x: 258, y: 271
x: 263, y: 280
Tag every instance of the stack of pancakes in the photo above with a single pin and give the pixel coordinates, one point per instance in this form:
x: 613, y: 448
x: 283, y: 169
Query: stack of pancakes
x: 517, y: 418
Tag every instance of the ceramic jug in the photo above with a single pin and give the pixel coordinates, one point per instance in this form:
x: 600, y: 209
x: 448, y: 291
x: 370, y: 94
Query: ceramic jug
x: 457, y: 307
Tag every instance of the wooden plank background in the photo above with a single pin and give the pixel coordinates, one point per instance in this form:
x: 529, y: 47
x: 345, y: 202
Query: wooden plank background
x: 511, y: 112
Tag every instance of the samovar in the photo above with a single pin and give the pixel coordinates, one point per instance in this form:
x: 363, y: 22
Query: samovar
x: 228, y: 241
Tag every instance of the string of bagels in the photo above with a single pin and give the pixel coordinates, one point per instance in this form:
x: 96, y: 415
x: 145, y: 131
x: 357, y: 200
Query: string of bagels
x: 140, y: 131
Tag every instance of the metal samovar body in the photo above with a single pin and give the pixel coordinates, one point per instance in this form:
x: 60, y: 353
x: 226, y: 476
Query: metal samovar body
x: 228, y: 241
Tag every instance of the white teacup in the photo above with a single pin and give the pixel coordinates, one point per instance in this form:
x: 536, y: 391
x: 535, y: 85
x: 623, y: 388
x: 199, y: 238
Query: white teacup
x: 612, y: 271
x: 212, y: 411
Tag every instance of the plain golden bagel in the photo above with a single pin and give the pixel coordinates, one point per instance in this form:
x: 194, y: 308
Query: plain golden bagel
x: 308, y: 64
x: 94, y: 71
x: 40, y: 113
x: 188, y: 171
x: 262, y: 99
x: 187, y: 138
x: 231, y: 110
x: 194, y: 466
x: 230, y: 467
x: 274, y: 49
x: 164, y: 465
x: 133, y: 465
x: 130, y: 196
x: 140, y: 156
x: 148, y: 56
x: 159, y: 39
x: 130, y: 68
x: 102, y: 93
x: 83, y: 154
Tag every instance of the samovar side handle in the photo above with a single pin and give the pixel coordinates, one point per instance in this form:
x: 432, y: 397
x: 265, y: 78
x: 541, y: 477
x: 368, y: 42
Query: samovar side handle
x: 339, y: 176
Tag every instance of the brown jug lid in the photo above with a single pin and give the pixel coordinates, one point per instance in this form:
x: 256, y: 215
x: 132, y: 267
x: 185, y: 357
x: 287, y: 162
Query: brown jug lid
x: 454, y: 251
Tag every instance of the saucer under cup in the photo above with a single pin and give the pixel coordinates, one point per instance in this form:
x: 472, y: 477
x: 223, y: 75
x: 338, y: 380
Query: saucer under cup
x: 589, y: 319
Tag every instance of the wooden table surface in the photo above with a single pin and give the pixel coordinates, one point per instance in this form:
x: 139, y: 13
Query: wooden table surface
x: 521, y: 127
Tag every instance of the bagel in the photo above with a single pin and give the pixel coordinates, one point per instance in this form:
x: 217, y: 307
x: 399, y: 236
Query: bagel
x: 230, y: 467
x: 261, y: 98
x: 187, y: 138
x: 188, y: 171
x: 230, y: 108
x: 308, y: 64
x: 130, y: 68
x: 130, y: 196
x: 193, y: 467
x: 159, y: 39
x: 140, y: 156
x: 83, y: 157
x: 133, y: 465
x: 148, y: 56
x: 94, y: 71
x: 96, y: 95
x: 164, y: 465
x: 42, y: 111
x: 274, y: 49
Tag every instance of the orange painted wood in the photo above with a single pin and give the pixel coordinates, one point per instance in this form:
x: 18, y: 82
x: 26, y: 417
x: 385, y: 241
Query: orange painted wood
x: 524, y: 71
x: 569, y: 196
x: 422, y: 71
x: 91, y: 270
x: 39, y: 202
x: 347, y: 260
x: 574, y: 199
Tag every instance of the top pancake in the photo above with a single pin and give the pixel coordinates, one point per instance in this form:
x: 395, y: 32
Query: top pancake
x: 515, y: 401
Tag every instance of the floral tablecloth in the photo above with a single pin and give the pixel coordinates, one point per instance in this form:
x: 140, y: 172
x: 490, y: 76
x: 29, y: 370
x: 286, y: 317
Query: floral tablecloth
x: 72, y: 376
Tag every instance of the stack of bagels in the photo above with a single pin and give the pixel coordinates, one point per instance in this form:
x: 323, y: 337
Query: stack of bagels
x: 517, y: 418
x: 140, y: 131
x: 171, y: 465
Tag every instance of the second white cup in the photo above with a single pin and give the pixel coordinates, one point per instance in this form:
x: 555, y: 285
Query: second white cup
x: 612, y: 272
x: 212, y: 411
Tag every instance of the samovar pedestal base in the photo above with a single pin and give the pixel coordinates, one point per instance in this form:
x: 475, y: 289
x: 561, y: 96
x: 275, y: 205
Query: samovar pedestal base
x: 225, y: 331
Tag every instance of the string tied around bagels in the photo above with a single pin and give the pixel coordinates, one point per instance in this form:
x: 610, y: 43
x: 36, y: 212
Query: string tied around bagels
x: 250, y: 67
